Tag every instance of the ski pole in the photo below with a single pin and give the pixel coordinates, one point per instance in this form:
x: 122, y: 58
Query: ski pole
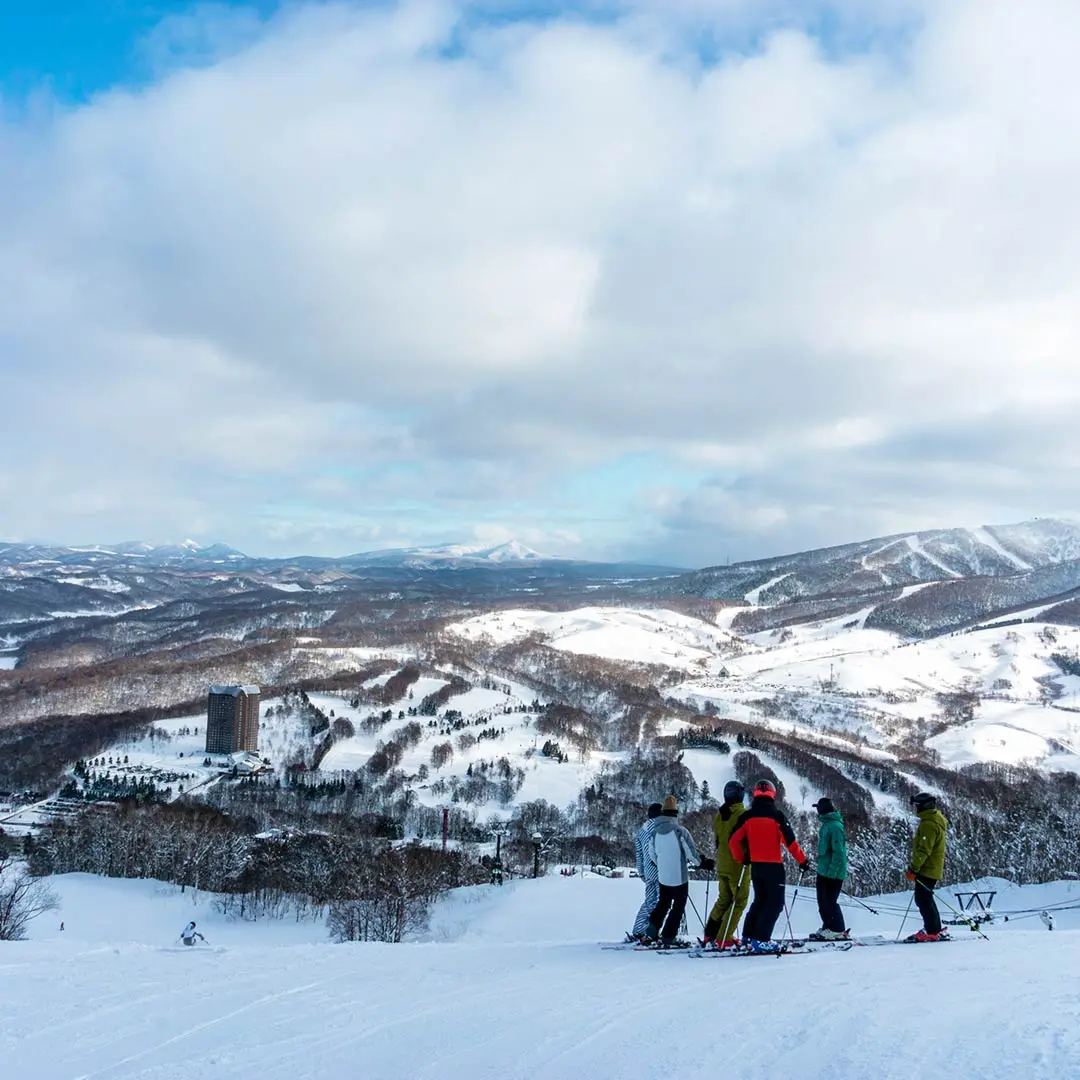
x: 959, y: 914
x: 694, y: 906
x: 787, y: 915
x: 906, y: 914
x: 850, y: 896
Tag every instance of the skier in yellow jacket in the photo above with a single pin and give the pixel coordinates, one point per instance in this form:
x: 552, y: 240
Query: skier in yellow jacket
x: 722, y: 927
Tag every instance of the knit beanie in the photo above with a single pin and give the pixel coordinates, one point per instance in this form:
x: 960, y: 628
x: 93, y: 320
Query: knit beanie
x: 734, y: 791
x: 671, y: 806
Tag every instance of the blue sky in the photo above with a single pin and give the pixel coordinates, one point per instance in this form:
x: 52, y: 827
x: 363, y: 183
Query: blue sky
x: 675, y: 280
x: 74, y: 49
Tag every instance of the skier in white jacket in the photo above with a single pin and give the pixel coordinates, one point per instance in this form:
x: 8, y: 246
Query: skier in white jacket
x: 189, y: 934
x: 673, y: 853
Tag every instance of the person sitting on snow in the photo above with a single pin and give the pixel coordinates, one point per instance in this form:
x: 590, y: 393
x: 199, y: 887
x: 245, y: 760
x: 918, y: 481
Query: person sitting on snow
x: 189, y: 934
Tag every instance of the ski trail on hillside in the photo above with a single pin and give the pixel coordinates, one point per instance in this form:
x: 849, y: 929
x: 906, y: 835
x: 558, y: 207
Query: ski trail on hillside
x: 754, y: 595
x: 984, y: 536
x: 915, y: 544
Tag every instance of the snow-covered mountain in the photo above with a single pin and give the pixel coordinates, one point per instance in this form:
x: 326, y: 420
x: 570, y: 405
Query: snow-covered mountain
x: 890, y: 562
x: 451, y: 555
x: 42, y: 556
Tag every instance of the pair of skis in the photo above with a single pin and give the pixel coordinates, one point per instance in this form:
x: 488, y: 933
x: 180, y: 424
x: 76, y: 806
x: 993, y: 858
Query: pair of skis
x: 784, y: 948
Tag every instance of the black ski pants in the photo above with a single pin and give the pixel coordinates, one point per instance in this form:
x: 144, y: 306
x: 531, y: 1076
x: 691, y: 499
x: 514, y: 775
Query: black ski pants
x: 828, y: 903
x: 768, y: 880
x: 666, y: 916
x: 927, y: 905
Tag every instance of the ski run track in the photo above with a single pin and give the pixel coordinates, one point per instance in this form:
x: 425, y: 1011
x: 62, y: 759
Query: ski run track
x: 510, y: 984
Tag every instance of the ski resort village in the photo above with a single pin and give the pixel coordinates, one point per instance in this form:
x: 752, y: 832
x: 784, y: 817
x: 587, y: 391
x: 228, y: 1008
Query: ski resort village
x: 444, y: 837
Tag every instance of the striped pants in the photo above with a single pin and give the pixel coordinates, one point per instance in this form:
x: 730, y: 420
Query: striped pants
x: 652, y: 898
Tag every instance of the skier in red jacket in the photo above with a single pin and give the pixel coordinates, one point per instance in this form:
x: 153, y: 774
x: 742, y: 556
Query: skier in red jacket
x: 758, y: 841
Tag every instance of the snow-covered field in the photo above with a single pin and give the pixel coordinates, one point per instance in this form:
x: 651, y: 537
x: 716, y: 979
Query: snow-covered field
x: 836, y: 676
x: 510, y: 984
x: 651, y: 636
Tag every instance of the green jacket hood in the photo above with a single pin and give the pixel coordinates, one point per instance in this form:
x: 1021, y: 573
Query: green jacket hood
x: 832, y: 815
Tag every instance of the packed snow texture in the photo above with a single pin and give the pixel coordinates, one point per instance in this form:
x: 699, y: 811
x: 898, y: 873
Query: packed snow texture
x: 653, y: 636
x: 511, y: 984
x: 837, y: 677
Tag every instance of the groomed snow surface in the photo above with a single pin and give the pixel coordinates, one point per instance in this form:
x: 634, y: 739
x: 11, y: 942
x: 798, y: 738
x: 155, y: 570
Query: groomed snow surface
x: 512, y: 985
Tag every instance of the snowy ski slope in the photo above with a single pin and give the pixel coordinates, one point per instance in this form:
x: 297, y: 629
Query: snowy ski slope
x: 511, y: 985
x: 835, y: 675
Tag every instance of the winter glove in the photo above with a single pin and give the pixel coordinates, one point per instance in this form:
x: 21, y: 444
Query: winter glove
x: 909, y: 874
x: 807, y: 867
x: 707, y: 864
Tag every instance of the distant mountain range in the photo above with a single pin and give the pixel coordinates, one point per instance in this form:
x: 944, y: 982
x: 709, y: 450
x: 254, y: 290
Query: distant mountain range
x: 192, y: 553
x: 40, y: 583
x: 915, y: 583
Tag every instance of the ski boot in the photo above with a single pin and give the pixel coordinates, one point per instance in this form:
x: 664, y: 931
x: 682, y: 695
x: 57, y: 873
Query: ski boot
x: 921, y: 936
x: 762, y: 948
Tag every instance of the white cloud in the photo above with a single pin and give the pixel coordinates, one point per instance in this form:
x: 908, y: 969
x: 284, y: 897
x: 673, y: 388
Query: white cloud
x: 339, y: 266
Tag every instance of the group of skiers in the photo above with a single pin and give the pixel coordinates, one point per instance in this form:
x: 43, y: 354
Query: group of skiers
x: 750, y: 845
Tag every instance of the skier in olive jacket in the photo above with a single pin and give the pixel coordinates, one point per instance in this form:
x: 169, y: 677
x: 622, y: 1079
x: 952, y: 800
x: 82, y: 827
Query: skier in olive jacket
x: 927, y: 865
x: 831, y: 870
x: 733, y: 895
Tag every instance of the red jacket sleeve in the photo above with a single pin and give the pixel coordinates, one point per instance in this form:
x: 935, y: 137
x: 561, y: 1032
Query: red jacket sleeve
x: 792, y: 844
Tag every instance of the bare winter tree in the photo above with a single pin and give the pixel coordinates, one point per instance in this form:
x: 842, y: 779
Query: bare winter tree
x: 22, y: 898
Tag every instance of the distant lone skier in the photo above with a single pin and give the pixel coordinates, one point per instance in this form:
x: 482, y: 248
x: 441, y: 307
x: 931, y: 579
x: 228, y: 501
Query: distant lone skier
x: 722, y: 926
x: 189, y: 934
x: 831, y: 870
x: 759, y: 840
x: 673, y: 854
x: 647, y: 872
x: 927, y: 865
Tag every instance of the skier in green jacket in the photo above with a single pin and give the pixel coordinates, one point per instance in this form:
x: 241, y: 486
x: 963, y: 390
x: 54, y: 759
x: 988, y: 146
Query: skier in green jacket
x: 831, y: 871
x: 927, y: 865
x: 722, y: 926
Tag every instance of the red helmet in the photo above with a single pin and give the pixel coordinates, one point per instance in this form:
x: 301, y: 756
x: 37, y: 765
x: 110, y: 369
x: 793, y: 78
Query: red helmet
x: 764, y: 787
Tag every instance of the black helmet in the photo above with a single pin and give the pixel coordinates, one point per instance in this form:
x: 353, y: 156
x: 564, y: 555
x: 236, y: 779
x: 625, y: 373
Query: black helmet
x: 924, y: 801
x: 734, y: 791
